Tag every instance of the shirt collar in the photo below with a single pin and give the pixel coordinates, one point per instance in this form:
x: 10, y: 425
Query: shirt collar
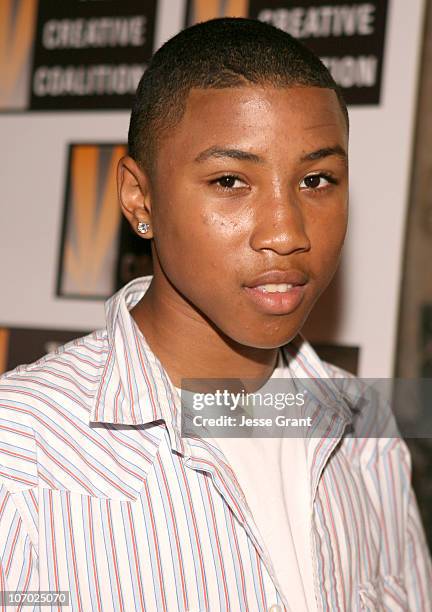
x: 135, y: 389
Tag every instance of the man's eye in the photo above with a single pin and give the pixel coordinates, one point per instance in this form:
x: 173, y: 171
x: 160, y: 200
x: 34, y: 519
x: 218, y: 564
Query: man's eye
x: 316, y: 181
x: 227, y: 182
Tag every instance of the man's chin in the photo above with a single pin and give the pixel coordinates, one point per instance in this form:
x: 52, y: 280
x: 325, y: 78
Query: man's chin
x: 266, y: 341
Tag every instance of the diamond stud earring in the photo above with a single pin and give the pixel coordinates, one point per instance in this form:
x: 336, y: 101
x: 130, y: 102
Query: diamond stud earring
x: 143, y: 227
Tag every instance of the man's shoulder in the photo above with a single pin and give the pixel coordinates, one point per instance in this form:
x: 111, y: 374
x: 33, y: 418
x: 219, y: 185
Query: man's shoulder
x: 63, y: 378
x: 45, y: 411
x: 374, y: 429
x: 85, y: 353
x: 350, y: 387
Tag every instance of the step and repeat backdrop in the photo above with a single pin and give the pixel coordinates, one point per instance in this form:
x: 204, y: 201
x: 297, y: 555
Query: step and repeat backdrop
x: 68, y: 71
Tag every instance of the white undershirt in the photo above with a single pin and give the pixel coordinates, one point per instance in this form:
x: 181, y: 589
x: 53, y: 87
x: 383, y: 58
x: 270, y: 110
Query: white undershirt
x: 273, y: 475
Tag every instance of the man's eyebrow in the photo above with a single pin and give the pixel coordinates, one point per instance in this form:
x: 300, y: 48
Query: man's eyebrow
x: 216, y: 151
x: 325, y: 152
x: 231, y: 153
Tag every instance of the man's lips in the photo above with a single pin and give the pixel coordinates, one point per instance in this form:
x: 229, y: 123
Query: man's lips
x: 277, y: 277
x: 277, y: 291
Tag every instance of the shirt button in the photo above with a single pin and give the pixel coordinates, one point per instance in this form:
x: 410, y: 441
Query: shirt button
x: 275, y: 608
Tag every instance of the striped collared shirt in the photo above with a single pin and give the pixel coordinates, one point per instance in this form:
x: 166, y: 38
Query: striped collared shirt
x: 102, y: 497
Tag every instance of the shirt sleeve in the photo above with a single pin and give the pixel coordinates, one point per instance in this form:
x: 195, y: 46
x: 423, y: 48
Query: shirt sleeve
x: 18, y: 502
x: 18, y: 561
x: 418, y: 565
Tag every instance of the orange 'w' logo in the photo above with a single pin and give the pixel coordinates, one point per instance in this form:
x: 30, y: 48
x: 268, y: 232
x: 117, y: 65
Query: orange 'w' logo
x: 94, y: 218
x: 15, y: 48
x: 203, y: 10
x: 4, y: 345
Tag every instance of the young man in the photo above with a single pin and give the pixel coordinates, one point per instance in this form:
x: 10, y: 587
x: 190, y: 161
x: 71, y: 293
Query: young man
x: 238, y: 175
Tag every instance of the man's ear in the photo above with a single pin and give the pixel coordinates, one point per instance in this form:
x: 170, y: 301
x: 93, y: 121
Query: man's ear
x: 133, y: 188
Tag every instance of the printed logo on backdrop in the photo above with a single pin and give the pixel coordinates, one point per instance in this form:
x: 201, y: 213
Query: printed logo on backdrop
x: 17, y: 25
x: 91, y: 54
x: 73, y: 54
x: 4, y: 348
x: 347, y: 36
x: 91, y: 222
x: 203, y: 10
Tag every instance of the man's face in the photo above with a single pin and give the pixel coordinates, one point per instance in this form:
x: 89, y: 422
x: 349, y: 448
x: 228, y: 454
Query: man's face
x: 253, y: 181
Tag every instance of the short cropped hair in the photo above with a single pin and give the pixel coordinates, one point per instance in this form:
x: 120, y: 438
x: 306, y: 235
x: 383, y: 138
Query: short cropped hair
x: 219, y: 53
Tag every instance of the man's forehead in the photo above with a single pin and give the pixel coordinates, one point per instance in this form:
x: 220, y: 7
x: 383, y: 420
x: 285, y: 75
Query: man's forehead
x: 261, y: 90
x: 217, y: 117
x: 318, y: 104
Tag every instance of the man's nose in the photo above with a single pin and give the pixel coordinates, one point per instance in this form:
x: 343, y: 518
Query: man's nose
x: 279, y: 225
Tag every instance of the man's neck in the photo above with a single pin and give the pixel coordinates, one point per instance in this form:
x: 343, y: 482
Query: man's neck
x: 188, y: 346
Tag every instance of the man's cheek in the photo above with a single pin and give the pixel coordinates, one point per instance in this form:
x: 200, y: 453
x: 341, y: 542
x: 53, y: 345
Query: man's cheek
x: 328, y: 237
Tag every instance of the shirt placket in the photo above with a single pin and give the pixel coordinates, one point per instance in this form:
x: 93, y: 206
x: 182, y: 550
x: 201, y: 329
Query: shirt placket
x: 203, y: 459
